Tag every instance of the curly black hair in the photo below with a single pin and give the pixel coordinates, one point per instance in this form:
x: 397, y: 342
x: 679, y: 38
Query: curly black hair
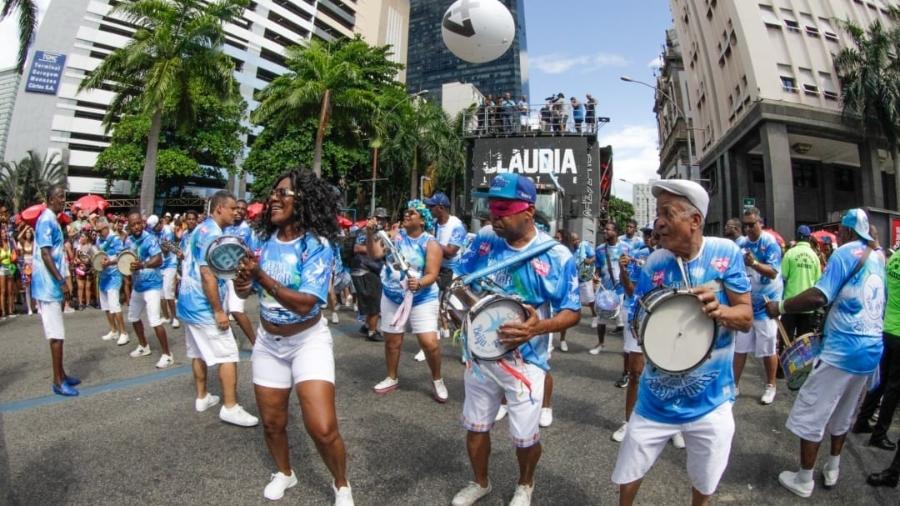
x: 315, y: 206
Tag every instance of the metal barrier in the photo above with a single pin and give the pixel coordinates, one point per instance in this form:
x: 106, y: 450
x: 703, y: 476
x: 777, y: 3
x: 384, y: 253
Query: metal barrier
x: 550, y: 119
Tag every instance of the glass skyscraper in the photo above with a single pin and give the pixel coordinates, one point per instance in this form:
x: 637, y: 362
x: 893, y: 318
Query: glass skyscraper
x: 430, y: 64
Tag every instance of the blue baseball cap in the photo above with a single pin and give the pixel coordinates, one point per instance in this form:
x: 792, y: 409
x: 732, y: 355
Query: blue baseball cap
x: 858, y: 221
x: 803, y: 231
x: 508, y: 186
x: 438, y: 199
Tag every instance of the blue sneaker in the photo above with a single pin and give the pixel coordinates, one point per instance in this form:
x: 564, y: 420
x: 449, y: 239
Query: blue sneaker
x: 65, y: 389
x: 72, y: 381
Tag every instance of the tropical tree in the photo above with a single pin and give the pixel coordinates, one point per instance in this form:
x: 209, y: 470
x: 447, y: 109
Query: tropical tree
x: 176, y: 48
x: 869, y: 73
x: 620, y: 211
x: 27, y: 25
x: 340, y: 81
x: 29, y: 179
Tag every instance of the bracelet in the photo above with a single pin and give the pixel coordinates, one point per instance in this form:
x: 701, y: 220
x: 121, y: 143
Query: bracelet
x: 781, y: 307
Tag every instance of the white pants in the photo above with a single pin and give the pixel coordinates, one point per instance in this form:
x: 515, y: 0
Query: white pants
x: 586, y: 292
x: 284, y: 361
x: 827, y: 402
x: 630, y: 343
x: 141, y: 300
x: 707, y: 441
x: 760, y: 340
x: 168, y: 289
x: 210, y: 344
x: 423, y: 318
x: 109, y: 301
x: 233, y: 303
x: 52, y: 319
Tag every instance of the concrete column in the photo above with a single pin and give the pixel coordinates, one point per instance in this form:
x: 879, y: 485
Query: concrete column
x: 779, y: 204
x: 870, y: 172
x: 742, y: 183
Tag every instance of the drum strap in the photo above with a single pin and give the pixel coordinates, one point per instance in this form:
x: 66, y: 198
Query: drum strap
x: 609, y: 266
x: 514, y: 260
x: 859, y: 265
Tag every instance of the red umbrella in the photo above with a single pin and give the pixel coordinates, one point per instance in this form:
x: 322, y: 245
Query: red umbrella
x: 31, y: 215
x: 820, y: 236
x: 255, y: 209
x: 361, y: 223
x: 91, y: 203
x: 344, y: 221
x: 776, y: 235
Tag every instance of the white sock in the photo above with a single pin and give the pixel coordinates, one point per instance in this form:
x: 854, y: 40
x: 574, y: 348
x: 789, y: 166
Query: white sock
x: 805, y: 475
x: 834, y: 461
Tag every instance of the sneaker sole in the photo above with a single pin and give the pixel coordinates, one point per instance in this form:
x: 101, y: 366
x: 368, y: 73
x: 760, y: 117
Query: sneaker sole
x: 798, y: 493
x: 438, y: 398
x: 385, y: 391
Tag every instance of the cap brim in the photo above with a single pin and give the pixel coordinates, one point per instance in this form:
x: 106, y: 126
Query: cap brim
x: 487, y: 195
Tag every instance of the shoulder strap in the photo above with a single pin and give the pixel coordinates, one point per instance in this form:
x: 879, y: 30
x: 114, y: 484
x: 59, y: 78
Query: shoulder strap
x: 514, y: 260
x: 859, y: 265
x: 609, y: 265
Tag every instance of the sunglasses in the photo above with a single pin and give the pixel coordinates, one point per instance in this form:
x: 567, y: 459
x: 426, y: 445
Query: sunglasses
x: 281, y: 193
x: 749, y: 225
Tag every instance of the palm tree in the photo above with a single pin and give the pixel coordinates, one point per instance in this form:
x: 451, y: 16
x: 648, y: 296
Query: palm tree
x: 27, y: 25
x: 339, y: 80
x: 29, y: 179
x: 177, y: 46
x: 869, y: 73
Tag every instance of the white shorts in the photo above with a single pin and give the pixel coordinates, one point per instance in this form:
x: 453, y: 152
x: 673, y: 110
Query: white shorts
x: 283, y: 361
x: 233, y: 303
x: 168, y: 289
x: 210, y: 344
x: 109, y: 301
x: 483, y: 401
x: 52, y: 318
x: 586, y: 292
x: 630, y: 342
x: 140, y: 300
x: 760, y: 340
x: 707, y: 442
x: 423, y: 318
x: 826, y: 403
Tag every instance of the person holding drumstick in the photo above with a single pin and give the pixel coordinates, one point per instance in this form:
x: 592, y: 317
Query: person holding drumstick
x: 293, y: 348
x: 547, y: 282
x: 697, y: 403
x: 111, y: 283
x: 424, y: 255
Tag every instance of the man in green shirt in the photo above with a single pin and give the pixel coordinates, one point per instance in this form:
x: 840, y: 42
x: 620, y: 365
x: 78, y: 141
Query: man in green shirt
x: 800, y: 269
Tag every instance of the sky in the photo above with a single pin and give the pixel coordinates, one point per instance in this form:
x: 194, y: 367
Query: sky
x: 575, y: 47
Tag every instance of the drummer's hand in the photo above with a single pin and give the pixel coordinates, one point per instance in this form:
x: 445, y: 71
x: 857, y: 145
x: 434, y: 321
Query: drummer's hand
x: 623, y: 261
x: 243, y: 283
x: 772, y: 309
x: 413, y: 283
x: 517, y: 333
x: 749, y: 259
x: 222, y: 320
x: 136, y: 266
x: 248, y: 267
x: 711, y: 305
x: 371, y: 225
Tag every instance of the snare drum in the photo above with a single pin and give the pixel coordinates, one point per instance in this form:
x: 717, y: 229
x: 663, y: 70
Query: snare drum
x: 481, y: 317
x: 225, y: 254
x: 673, y: 331
x: 798, y: 358
x: 98, y: 261
x: 124, y: 262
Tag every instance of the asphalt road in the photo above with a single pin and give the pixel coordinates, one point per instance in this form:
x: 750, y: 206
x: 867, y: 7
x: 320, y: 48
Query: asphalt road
x: 133, y: 436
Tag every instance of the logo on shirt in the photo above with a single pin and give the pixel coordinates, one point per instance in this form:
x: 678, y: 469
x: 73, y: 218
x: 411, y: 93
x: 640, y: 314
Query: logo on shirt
x: 658, y: 278
x: 721, y: 264
x: 540, y: 267
x: 484, y: 249
x: 873, y: 297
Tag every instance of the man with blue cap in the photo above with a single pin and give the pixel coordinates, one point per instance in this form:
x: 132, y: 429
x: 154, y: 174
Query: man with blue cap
x: 853, y: 284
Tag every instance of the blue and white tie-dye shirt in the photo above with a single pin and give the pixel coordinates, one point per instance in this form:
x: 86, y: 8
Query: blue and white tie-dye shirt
x: 585, y: 251
x: 635, y: 243
x: 193, y: 306
x: 241, y: 230
x: 145, y: 247
x: 170, y: 261
x: 684, y: 398
x: 47, y: 234
x: 603, y: 267
x: 766, y: 251
x: 415, y: 251
x: 452, y: 233
x: 853, y: 329
x: 110, y: 277
x: 302, y: 265
x: 548, y: 282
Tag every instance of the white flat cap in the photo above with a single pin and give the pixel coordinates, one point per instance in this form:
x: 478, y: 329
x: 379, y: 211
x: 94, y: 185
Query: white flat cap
x: 152, y: 220
x: 690, y: 190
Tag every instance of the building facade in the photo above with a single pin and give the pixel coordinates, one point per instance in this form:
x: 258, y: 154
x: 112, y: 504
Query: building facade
x: 9, y: 85
x: 431, y: 64
x: 674, y: 115
x: 766, y: 109
x: 84, y: 31
x: 386, y: 23
x: 644, y: 204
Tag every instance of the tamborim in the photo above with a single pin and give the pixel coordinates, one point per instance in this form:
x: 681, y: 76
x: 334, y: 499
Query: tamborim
x: 798, y: 358
x: 224, y: 254
x: 124, y: 262
x: 98, y: 261
x: 673, y: 331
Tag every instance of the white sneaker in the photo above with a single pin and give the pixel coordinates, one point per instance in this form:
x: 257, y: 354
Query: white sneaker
x: 164, y: 321
x: 440, y: 391
x: 205, y: 403
x: 595, y: 322
x: 471, y: 494
x: 563, y: 346
x: 788, y: 480
x: 678, y: 440
x: 386, y: 386
x: 522, y: 497
x: 112, y: 334
x: 831, y: 475
x: 769, y: 396
x: 546, y: 419
x: 123, y: 339
x: 342, y: 496
x: 236, y: 415
x: 596, y: 349
x: 420, y: 357
x: 275, y: 489
x: 165, y: 361
x: 175, y: 323
x: 335, y: 319
x: 619, y: 435
x: 501, y: 412
x: 140, y: 351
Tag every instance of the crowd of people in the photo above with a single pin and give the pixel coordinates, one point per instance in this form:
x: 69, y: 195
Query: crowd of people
x: 398, y: 275
x: 505, y: 114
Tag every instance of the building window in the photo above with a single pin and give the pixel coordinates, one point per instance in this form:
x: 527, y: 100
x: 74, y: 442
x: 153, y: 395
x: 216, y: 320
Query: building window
x: 789, y: 84
x: 844, y: 180
x: 806, y: 174
x: 769, y: 17
x: 790, y: 21
x: 829, y: 91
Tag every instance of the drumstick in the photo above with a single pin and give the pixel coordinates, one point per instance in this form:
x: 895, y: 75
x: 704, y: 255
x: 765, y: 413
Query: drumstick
x: 781, y: 329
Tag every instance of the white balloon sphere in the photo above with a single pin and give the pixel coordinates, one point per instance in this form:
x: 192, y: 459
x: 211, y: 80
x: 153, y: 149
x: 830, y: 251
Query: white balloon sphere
x: 478, y: 31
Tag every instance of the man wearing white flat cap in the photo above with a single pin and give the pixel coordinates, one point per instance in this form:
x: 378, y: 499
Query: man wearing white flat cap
x: 697, y: 403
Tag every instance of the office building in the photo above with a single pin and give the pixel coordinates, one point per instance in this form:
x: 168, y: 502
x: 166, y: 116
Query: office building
x: 766, y: 110
x: 673, y: 115
x: 644, y: 204
x: 9, y: 84
x: 385, y: 23
x: 431, y: 64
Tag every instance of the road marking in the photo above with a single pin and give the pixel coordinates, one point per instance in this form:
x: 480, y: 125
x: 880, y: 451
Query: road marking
x: 89, y: 391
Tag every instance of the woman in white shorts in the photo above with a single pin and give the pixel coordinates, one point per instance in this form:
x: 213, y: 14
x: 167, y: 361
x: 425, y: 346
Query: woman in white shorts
x: 409, y: 299
x: 293, y: 349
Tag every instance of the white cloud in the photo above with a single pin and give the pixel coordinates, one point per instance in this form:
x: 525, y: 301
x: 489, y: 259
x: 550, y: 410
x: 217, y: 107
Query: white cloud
x: 557, y: 64
x: 635, y: 157
x: 9, y: 35
x: 656, y: 63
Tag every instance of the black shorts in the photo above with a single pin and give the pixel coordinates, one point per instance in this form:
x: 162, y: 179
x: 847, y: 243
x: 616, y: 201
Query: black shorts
x: 368, y: 293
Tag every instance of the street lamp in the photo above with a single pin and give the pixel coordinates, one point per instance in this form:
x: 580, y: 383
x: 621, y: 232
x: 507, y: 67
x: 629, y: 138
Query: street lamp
x: 687, y: 122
